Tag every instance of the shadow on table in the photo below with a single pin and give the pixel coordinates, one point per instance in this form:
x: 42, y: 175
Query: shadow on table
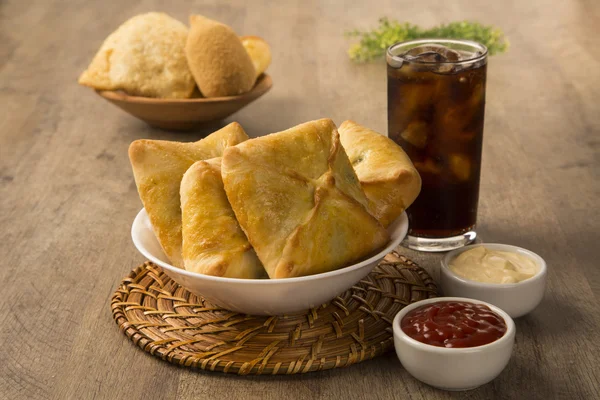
x: 388, y: 361
x: 523, y: 236
x: 136, y: 129
x: 529, y: 375
x: 554, y: 318
x: 257, y: 120
x: 522, y: 379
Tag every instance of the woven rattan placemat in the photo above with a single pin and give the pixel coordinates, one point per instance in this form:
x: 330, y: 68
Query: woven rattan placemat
x: 169, y: 322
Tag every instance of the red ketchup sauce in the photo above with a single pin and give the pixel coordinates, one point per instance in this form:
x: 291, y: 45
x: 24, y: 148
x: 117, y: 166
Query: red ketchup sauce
x: 454, y: 324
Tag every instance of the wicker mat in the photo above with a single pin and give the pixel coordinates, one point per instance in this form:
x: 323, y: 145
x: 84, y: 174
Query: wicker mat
x: 168, y: 322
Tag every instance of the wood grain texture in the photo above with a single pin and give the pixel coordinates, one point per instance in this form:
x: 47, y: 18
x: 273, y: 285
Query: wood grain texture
x: 67, y: 196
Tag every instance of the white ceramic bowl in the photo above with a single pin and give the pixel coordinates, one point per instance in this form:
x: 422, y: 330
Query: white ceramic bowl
x: 453, y: 368
x: 263, y: 296
x: 516, y: 299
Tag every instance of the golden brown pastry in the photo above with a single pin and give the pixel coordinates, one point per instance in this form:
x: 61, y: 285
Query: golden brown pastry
x: 144, y: 57
x: 213, y: 242
x: 220, y: 64
x: 158, y: 167
x: 299, y: 201
x: 385, y: 172
x: 259, y: 52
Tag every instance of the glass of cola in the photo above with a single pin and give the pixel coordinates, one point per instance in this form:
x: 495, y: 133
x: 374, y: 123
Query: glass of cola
x: 436, y: 105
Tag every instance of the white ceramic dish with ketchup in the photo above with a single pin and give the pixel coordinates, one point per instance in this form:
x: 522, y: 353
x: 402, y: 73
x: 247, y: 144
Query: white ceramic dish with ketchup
x: 453, y: 368
x: 517, y: 299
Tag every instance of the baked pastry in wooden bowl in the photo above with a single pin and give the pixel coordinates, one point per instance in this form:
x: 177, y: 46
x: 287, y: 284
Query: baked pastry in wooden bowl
x: 172, y: 77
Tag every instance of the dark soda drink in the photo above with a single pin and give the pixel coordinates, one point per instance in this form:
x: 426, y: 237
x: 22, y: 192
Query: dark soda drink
x: 436, y: 104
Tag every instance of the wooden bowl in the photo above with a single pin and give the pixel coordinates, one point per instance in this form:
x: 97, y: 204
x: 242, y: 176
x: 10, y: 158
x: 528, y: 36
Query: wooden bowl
x: 185, y: 114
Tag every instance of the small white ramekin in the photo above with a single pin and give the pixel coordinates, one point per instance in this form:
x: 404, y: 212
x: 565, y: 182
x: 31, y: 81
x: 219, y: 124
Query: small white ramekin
x: 453, y: 368
x: 517, y: 299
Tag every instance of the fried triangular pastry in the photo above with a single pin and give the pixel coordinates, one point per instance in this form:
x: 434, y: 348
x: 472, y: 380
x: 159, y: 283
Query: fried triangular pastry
x: 385, y: 172
x: 158, y: 167
x: 213, y: 242
x: 299, y: 201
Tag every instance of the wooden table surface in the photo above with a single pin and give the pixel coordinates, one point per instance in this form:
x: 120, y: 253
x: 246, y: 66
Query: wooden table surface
x: 67, y: 195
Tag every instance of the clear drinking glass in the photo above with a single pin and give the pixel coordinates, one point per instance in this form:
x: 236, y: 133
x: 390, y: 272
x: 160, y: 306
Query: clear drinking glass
x: 436, y: 105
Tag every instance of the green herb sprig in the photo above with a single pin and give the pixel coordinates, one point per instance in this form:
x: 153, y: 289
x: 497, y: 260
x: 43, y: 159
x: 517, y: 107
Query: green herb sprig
x: 373, y: 44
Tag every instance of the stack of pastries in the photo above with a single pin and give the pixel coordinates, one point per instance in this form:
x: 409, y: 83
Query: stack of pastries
x: 154, y: 55
x: 299, y: 202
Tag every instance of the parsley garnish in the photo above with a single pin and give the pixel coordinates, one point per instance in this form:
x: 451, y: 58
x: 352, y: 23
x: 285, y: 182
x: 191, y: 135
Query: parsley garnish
x: 373, y: 44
